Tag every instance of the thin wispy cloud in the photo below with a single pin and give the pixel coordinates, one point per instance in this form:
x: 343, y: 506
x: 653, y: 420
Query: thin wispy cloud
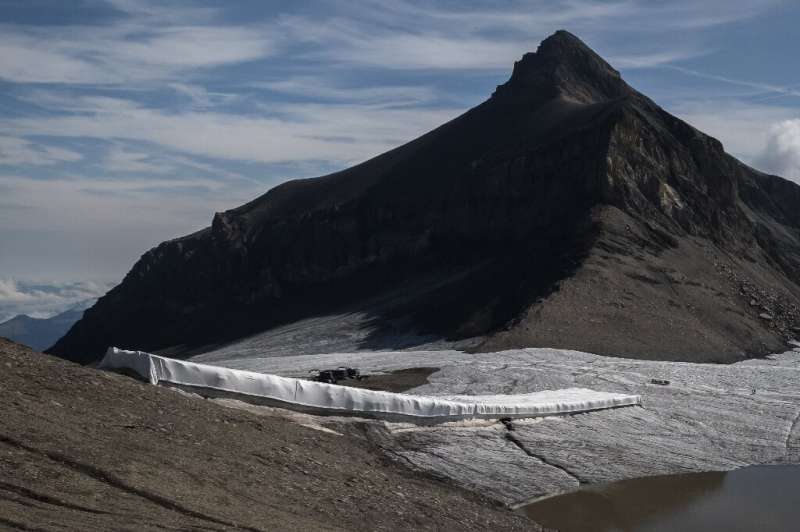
x: 321, y: 89
x: 657, y: 59
x: 18, y: 151
x: 119, y: 159
x: 487, y: 38
x: 122, y: 55
x: 150, y: 43
x: 765, y: 87
x: 341, y: 133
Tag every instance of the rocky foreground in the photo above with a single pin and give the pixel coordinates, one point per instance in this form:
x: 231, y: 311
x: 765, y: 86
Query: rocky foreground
x: 710, y: 417
x: 82, y: 449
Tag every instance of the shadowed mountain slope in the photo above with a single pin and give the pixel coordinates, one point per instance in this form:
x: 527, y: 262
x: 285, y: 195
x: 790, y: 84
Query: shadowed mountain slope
x: 568, y: 210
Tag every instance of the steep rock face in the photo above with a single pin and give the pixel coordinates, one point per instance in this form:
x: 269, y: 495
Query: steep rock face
x: 536, y: 218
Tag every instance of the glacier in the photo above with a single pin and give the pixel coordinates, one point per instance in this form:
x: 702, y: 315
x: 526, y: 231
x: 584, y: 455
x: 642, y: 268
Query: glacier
x: 711, y: 417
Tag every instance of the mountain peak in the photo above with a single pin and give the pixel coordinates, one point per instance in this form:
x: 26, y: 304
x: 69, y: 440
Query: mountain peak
x: 562, y: 40
x: 564, y: 65
x: 568, y: 210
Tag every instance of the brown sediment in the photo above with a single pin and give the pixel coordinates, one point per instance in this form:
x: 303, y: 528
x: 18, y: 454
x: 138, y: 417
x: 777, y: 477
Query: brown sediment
x: 400, y: 380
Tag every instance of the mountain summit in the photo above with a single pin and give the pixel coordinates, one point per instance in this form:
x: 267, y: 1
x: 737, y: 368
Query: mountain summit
x: 568, y: 210
x: 564, y: 65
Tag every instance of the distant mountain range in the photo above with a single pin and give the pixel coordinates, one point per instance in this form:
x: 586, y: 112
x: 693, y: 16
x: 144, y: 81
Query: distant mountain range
x: 41, y: 333
x: 568, y: 210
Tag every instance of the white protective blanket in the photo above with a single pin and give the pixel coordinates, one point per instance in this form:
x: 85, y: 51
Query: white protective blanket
x: 343, y: 399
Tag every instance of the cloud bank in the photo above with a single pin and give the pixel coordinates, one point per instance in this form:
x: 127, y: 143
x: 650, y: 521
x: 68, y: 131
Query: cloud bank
x: 43, y: 301
x: 782, y: 153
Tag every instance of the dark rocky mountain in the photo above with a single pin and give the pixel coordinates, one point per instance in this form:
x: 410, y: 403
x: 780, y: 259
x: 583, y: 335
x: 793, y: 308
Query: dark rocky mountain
x: 568, y: 210
x: 41, y: 333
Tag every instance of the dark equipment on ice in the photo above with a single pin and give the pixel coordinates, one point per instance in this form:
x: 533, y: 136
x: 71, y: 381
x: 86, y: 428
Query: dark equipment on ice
x: 661, y: 382
x: 332, y: 376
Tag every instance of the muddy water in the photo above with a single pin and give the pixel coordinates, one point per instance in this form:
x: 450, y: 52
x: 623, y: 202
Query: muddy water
x: 762, y: 498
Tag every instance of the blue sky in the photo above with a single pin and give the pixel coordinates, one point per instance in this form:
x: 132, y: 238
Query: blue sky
x: 124, y: 123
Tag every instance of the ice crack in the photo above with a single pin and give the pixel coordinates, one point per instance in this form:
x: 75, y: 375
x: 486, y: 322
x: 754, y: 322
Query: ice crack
x: 513, y: 439
x: 792, y: 426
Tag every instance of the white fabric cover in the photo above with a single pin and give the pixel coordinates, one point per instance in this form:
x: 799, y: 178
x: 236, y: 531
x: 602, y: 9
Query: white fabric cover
x: 341, y: 399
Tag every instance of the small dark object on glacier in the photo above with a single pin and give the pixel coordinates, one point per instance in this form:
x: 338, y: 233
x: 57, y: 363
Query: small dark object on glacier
x: 661, y: 382
x: 332, y: 376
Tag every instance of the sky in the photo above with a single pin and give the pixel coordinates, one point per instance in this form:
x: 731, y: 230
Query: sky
x: 124, y: 123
